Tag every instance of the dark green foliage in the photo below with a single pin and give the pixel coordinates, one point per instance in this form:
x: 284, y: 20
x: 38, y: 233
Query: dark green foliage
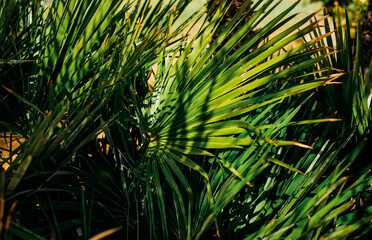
x: 233, y: 141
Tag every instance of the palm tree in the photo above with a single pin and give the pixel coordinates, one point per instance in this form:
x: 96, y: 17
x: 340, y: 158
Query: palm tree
x: 219, y: 148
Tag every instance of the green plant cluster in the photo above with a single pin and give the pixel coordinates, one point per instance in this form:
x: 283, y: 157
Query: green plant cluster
x: 129, y: 127
x: 357, y: 8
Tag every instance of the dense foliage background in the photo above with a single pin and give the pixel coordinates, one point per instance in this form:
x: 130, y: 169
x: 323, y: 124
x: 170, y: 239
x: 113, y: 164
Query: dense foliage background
x: 117, y: 123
